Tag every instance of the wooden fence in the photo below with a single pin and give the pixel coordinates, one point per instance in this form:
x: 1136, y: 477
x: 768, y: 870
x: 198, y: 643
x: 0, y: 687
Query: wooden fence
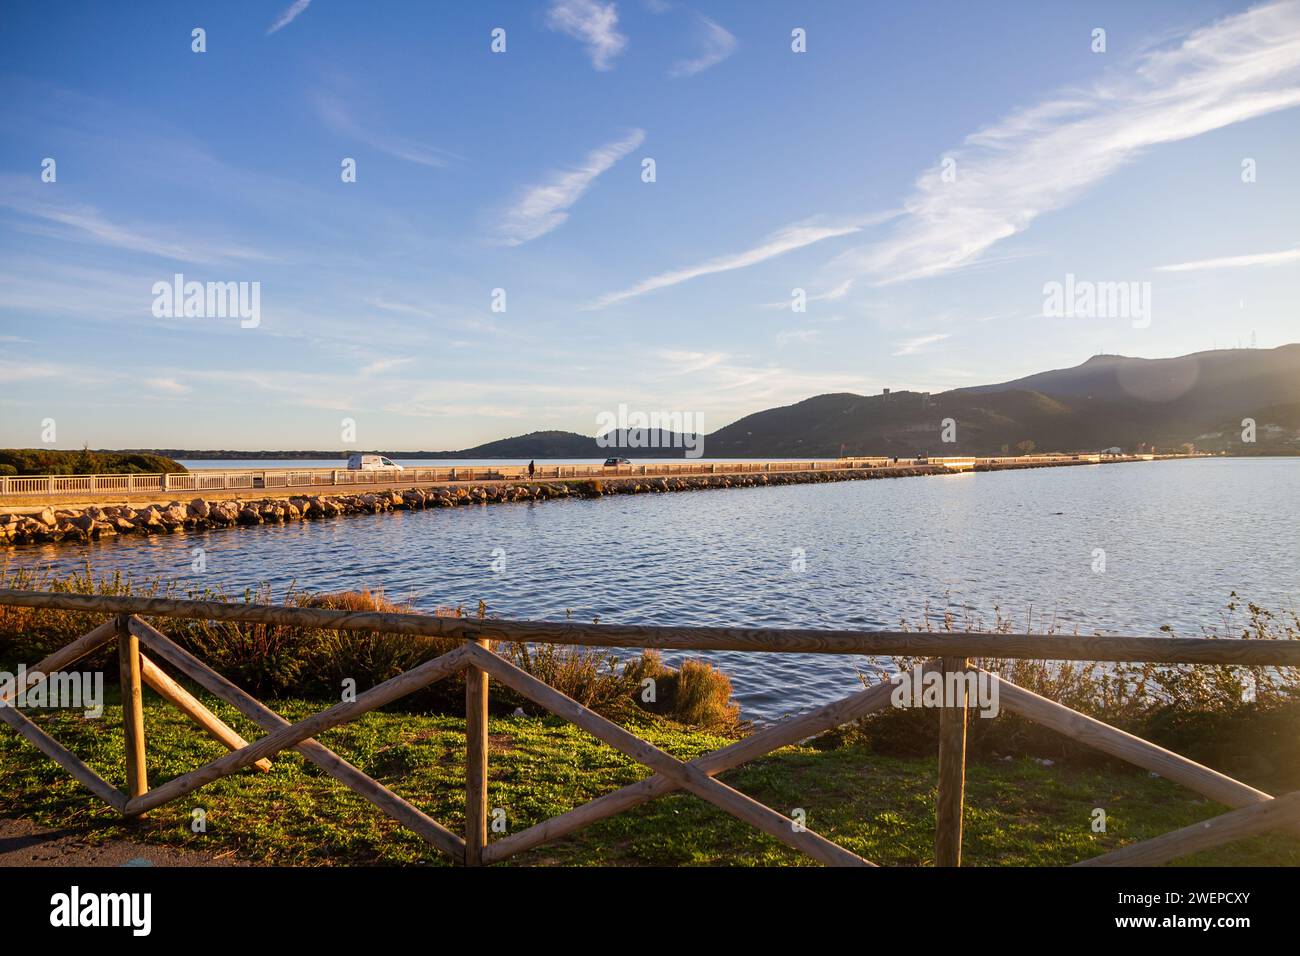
x: 142, y: 647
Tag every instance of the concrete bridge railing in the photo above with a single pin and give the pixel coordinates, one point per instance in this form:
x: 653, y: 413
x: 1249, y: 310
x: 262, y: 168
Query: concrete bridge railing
x: 225, y: 480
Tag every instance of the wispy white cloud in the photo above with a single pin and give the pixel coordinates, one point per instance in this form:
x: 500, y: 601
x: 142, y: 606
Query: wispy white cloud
x: 594, y: 23
x: 49, y: 287
x: 716, y: 44
x: 545, y: 206
x: 168, y: 385
x: 919, y: 344
x: 385, y: 365
x: 724, y: 386
x: 403, y: 308
x: 1044, y: 157
x: 456, y: 411
x: 340, y: 118
x: 443, y: 315
x: 288, y: 16
x: 779, y: 243
x: 679, y: 362
x: 1235, y: 262
x: 833, y: 294
x: 839, y: 292
x: 304, y: 389
x: 797, y: 335
x: 25, y: 371
x: 82, y: 223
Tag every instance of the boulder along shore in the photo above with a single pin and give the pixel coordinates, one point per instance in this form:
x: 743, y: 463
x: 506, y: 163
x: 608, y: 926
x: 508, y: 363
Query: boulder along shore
x: 96, y: 522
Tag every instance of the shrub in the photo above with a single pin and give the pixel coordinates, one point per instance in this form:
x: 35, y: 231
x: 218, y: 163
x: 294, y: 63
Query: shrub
x: 49, y: 461
x: 270, y: 660
x: 1242, y: 720
x: 593, y: 678
x: 697, y: 693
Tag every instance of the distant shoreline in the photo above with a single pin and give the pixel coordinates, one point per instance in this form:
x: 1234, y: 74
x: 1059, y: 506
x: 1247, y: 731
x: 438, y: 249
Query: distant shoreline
x: 180, y: 454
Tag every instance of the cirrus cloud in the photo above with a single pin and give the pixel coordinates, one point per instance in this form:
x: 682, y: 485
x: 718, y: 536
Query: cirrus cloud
x: 288, y: 16
x: 1235, y: 262
x: 778, y: 243
x: 545, y: 206
x: 1045, y: 157
x: 716, y: 43
x: 595, y: 24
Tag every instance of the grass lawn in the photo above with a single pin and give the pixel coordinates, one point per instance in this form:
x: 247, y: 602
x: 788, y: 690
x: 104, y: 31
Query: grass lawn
x: 1018, y: 812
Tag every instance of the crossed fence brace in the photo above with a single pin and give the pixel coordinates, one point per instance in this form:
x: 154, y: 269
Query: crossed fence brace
x: 1254, y: 811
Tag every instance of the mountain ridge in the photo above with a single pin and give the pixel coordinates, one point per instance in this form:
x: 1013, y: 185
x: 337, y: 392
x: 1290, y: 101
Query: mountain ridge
x: 1107, y: 401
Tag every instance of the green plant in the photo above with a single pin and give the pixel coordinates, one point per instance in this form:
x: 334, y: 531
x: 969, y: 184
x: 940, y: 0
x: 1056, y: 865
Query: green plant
x: 271, y: 660
x: 1239, y: 719
x: 50, y: 461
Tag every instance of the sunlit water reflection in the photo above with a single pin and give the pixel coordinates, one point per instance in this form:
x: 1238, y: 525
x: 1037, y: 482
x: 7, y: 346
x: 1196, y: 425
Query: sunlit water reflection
x: 1178, y: 537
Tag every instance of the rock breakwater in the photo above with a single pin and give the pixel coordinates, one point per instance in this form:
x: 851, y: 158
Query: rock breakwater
x: 105, y: 521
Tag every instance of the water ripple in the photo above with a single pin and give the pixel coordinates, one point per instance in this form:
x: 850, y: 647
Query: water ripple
x: 1178, y: 537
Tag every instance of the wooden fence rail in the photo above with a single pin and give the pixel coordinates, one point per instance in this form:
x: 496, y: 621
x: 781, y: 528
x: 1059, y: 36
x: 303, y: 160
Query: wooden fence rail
x: 138, y: 643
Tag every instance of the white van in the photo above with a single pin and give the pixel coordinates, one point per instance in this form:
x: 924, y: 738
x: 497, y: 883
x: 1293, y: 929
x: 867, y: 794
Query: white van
x: 372, y: 463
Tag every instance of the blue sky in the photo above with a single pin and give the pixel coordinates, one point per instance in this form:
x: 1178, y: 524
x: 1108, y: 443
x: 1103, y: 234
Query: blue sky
x: 522, y: 171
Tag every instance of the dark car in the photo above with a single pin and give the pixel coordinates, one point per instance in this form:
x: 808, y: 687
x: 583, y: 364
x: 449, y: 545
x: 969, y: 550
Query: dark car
x: 616, y: 462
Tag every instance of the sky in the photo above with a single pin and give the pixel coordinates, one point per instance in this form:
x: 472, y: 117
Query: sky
x: 503, y: 260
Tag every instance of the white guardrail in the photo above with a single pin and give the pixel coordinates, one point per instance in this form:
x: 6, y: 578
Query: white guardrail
x: 222, y: 480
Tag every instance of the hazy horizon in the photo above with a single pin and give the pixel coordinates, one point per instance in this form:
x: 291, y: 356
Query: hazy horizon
x: 646, y: 454
x: 922, y: 173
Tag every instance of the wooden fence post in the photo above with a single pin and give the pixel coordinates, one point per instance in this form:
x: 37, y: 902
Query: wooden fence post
x: 128, y: 657
x: 952, y: 770
x: 476, y: 761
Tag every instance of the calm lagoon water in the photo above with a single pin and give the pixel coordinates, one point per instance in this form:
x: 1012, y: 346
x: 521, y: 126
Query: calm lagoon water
x: 1178, y: 536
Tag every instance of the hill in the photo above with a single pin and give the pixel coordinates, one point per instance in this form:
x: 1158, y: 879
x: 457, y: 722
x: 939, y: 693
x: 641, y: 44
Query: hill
x: 1108, y: 401
x: 558, y: 444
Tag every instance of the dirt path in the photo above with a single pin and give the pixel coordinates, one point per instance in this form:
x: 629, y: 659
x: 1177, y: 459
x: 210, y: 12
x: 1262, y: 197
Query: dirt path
x: 24, y: 844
